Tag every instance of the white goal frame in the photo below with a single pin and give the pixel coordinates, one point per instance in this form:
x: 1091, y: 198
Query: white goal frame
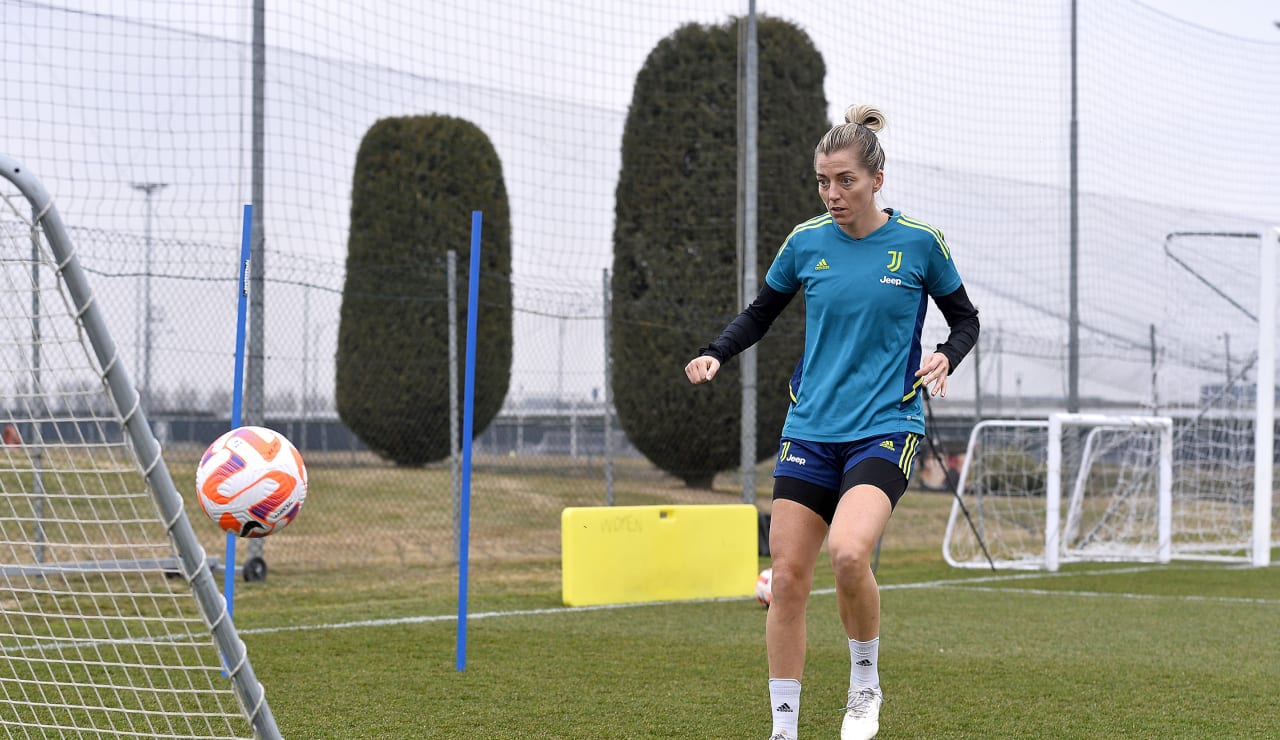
x: 1053, y: 548
x: 135, y: 588
x: 1052, y: 554
x: 1252, y: 526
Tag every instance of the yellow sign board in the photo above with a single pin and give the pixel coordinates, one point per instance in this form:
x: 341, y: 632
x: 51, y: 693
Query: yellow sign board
x: 627, y: 554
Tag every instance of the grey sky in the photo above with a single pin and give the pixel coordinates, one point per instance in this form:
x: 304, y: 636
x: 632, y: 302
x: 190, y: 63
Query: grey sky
x: 1177, y: 111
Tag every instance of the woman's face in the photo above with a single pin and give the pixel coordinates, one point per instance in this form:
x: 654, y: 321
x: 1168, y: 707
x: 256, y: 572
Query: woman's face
x: 846, y: 187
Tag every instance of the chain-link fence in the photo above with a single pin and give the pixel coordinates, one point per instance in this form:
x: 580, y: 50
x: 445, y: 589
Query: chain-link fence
x: 139, y: 119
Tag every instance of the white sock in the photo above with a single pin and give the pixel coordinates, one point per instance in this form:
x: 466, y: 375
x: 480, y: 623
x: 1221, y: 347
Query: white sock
x: 864, y: 659
x: 784, y: 699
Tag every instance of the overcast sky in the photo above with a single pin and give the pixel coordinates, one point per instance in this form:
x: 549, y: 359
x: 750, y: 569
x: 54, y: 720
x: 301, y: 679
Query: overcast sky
x: 1247, y: 19
x: 1178, y: 106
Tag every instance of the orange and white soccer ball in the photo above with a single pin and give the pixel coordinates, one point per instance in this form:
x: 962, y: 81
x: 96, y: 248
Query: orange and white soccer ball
x: 764, y: 587
x: 251, y: 481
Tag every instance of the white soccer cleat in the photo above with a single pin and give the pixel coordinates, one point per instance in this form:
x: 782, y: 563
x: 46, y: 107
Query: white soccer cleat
x: 781, y: 736
x: 862, y: 715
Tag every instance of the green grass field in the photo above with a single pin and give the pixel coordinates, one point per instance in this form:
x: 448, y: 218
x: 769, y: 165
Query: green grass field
x: 1180, y: 651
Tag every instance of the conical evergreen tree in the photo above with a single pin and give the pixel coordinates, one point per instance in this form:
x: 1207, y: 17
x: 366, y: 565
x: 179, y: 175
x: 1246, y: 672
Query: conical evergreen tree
x: 417, y: 181
x: 675, y: 262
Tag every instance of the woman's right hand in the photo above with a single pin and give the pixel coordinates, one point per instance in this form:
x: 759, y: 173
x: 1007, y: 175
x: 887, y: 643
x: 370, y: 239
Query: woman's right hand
x: 701, y: 369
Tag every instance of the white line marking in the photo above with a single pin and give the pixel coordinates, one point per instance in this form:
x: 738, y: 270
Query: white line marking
x: 1118, y: 595
x: 945, y: 583
x: 481, y: 615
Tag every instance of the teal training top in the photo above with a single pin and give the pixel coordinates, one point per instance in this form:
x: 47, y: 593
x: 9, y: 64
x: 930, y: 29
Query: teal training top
x: 865, y: 303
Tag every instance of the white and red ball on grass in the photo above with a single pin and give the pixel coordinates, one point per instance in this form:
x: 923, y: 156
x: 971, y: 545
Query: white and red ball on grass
x: 764, y: 587
x: 251, y: 481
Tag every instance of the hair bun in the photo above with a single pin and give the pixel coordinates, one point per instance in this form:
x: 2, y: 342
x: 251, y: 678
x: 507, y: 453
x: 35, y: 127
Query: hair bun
x: 865, y: 115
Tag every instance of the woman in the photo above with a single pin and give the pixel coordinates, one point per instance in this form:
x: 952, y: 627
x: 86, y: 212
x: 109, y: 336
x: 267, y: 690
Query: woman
x: 856, y: 417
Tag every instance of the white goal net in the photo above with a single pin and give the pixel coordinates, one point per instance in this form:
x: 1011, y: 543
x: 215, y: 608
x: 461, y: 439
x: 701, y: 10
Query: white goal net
x: 1211, y: 375
x: 1069, y: 488
x: 111, y: 624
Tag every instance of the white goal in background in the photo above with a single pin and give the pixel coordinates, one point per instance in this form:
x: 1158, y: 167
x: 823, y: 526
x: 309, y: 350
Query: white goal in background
x: 1114, y: 492
x: 111, y: 623
x: 1095, y: 487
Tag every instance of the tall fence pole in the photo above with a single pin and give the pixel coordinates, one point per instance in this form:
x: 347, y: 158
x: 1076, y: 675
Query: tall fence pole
x: 608, y: 392
x: 750, y: 128
x: 977, y: 381
x: 1155, y: 373
x: 1073, y: 319
x: 255, y: 392
x: 451, y: 290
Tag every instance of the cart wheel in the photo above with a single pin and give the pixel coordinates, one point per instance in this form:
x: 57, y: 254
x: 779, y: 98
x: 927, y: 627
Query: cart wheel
x: 255, y: 570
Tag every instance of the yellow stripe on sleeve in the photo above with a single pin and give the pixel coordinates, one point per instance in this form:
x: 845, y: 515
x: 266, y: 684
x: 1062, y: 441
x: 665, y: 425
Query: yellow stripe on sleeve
x: 812, y: 223
x: 937, y: 235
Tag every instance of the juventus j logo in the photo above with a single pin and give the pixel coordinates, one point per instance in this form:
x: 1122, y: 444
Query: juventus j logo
x: 895, y: 260
x: 786, y: 447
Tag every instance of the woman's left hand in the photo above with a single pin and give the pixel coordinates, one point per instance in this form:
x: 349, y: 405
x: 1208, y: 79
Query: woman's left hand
x: 933, y: 372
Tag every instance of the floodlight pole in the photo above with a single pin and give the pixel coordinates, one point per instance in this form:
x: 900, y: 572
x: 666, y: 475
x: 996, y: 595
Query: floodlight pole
x: 147, y: 189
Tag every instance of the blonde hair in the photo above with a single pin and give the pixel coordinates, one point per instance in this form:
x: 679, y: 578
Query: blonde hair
x: 857, y: 134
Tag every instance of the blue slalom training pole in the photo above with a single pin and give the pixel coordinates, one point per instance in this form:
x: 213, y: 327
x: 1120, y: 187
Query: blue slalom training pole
x: 237, y: 392
x: 468, y: 421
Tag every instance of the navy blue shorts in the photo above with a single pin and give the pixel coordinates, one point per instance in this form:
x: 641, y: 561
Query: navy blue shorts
x: 816, y: 474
